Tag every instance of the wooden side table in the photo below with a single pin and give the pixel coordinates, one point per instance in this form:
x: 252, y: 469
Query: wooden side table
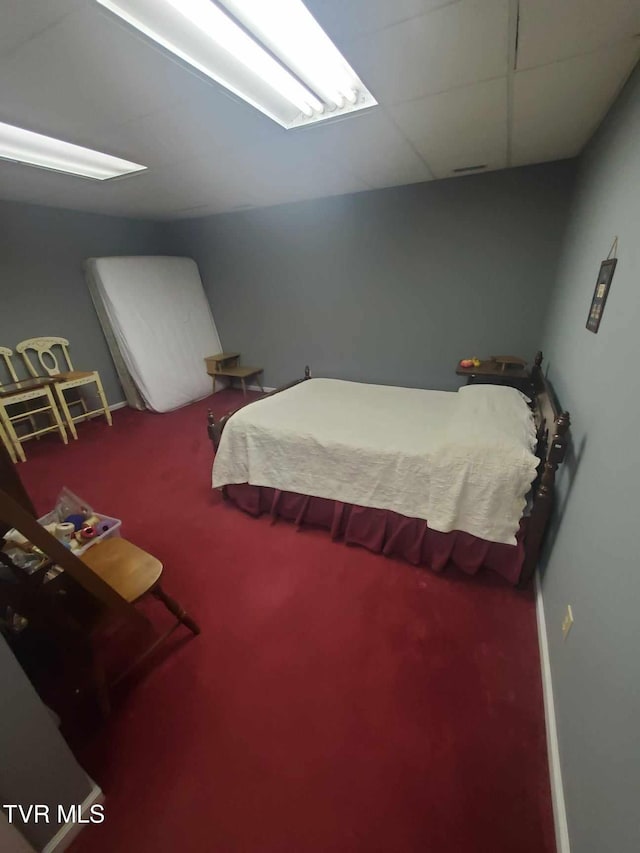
x: 227, y: 364
x: 499, y: 370
x: 220, y: 361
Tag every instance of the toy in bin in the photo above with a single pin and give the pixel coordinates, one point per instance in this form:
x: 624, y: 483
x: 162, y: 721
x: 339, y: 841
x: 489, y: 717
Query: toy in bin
x: 74, y: 523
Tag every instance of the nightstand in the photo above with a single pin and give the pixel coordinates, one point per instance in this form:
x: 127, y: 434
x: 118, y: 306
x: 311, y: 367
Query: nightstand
x: 227, y: 365
x: 499, y: 370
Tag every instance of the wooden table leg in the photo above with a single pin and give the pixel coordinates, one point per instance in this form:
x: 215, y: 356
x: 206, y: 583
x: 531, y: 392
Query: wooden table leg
x: 176, y: 609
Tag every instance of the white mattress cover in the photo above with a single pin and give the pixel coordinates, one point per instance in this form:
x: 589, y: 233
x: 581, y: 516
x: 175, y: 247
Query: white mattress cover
x: 162, y: 323
x: 461, y: 461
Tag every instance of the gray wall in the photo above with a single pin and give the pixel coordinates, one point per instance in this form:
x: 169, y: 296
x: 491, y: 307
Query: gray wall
x: 390, y: 286
x: 594, y: 563
x: 42, y: 286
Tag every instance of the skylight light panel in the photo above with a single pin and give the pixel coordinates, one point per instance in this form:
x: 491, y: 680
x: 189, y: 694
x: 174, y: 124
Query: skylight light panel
x: 271, y: 53
x: 34, y: 149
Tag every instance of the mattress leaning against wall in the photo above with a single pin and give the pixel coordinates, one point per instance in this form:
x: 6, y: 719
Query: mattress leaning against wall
x: 158, y: 325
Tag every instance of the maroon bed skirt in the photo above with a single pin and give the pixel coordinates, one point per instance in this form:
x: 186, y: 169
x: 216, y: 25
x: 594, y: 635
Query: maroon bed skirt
x: 385, y: 532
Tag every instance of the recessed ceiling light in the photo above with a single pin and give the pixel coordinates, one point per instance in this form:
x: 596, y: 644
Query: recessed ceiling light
x: 274, y: 55
x: 46, y: 152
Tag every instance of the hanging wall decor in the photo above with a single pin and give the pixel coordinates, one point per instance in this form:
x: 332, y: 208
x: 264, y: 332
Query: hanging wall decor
x: 600, y: 293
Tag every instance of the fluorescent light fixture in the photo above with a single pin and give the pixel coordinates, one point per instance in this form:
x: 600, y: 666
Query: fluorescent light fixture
x: 46, y: 152
x: 271, y: 53
x: 288, y: 29
x: 228, y: 36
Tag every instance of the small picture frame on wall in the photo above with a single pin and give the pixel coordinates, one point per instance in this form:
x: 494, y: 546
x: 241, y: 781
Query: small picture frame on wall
x: 600, y: 294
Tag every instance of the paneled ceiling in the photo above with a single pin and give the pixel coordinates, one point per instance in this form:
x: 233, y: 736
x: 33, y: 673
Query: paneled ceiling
x: 460, y: 83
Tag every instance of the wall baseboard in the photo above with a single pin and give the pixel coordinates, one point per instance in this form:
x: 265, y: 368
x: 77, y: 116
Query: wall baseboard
x: 66, y: 834
x: 113, y: 407
x: 266, y: 388
x: 553, y: 750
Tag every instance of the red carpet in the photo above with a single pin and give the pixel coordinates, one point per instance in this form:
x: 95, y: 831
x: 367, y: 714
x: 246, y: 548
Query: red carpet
x: 335, y: 701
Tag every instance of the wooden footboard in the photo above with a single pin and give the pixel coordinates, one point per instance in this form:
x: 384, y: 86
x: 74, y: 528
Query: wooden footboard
x: 215, y: 427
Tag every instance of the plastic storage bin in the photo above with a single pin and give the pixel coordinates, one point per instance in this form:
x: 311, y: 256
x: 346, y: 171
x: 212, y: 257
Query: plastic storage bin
x: 112, y: 529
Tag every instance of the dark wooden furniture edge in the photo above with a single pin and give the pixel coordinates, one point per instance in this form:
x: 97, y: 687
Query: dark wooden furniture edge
x: 11, y: 483
x: 39, y: 603
x: 552, y: 433
x: 215, y: 427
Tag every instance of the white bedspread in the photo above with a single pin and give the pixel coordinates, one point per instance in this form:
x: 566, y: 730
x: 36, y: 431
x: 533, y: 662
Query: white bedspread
x: 462, y: 461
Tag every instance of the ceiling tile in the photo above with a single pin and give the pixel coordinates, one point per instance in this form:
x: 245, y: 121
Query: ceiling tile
x: 23, y: 20
x: 438, y: 67
x: 135, y: 196
x: 458, y: 44
x: 202, y: 210
x: 206, y: 121
x: 373, y: 148
x: 24, y: 183
x: 557, y: 107
x: 463, y: 127
x: 550, y: 30
x: 164, y: 190
x: 291, y: 169
x: 345, y: 20
x: 226, y: 181
x: 88, y: 71
x: 258, y: 174
x: 104, y: 198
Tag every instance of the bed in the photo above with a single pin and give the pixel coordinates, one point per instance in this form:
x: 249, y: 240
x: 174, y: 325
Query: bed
x: 435, y: 477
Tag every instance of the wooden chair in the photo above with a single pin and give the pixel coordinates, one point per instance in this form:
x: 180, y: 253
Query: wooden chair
x: 66, y: 379
x: 15, y: 410
x: 7, y: 444
x: 133, y: 573
x: 114, y: 574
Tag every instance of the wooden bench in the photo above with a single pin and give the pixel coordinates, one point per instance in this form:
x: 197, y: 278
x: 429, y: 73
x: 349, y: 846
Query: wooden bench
x: 227, y: 365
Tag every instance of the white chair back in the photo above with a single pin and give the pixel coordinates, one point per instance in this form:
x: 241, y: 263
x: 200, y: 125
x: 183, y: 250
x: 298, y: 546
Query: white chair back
x: 45, y: 349
x: 6, y: 354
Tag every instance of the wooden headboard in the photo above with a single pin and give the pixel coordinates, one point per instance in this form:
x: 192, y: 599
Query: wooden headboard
x: 552, y: 430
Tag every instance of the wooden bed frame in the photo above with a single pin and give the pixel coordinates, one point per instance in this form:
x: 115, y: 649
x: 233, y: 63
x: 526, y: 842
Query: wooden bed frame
x: 552, y: 432
x: 215, y: 428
